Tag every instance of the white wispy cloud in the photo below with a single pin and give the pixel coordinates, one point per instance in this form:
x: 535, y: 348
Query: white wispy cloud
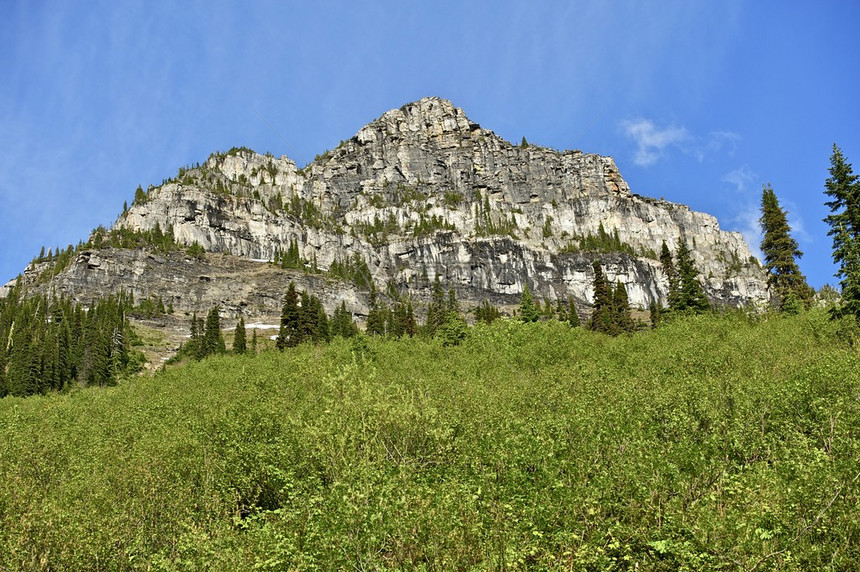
x: 651, y: 140
x: 740, y: 178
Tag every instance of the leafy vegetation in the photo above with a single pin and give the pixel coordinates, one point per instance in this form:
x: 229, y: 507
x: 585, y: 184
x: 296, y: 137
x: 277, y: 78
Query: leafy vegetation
x: 714, y: 442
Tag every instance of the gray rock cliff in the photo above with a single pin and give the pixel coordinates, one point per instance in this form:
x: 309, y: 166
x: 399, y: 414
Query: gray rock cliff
x: 423, y: 191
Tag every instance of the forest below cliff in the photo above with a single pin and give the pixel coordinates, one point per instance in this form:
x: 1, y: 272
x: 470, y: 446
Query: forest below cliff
x: 719, y: 441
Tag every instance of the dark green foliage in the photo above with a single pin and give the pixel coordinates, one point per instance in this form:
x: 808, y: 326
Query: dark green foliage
x: 621, y: 318
x: 844, y: 190
x: 690, y: 297
x: 572, y: 314
x: 51, y: 344
x: 239, y: 343
x: 288, y: 335
x: 602, y: 311
x: 376, y: 316
x: 196, y: 250
x: 655, y: 313
x: 123, y: 237
x: 528, y: 308
x: 342, y: 323
x: 354, y: 270
x: 787, y: 283
x: 139, y: 196
x: 254, y: 342
x: 377, y: 232
x: 436, y: 309
x: 213, y: 339
x: 486, y: 312
x: 604, y: 242
x: 426, y: 226
x: 671, y: 273
x: 291, y: 258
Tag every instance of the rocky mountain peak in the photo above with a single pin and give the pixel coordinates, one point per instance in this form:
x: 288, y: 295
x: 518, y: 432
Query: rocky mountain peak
x: 421, y: 192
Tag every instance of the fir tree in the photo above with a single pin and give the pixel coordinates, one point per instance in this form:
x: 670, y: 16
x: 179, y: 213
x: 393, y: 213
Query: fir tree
x: 452, y: 307
x: 213, y: 339
x: 239, y: 345
x: 691, y: 297
x: 844, y: 189
x: 780, y: 251
x: 528, y: 310
x: 671, y: 274
x: 410, y: 325
x: 601, y: 314
x: 254, y: 342
x: 376, y: 315
x: 621, y: 318
x: 486, y: 312
x: 436, y: 309
x: 572, y: 315
x: 289, y: 331
x: 654, y: 313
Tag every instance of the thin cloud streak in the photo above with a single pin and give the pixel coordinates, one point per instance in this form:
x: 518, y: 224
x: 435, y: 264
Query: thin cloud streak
x: 651, y: 140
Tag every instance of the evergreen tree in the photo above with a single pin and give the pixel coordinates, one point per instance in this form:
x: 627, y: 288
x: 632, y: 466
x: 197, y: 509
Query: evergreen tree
x: 601, y: 314
x: 560, y: 310
x: 671, y: 274
x: 844, y: 189
x: 780, y: 251
x: 254, y: 342
x: 436, y: 309
x: 341, y: 323
x: 452, y: 307
x: 288, y: 333
x: 308, y: 316
x: 410, y: 325
x: 528, y: 310
x: 195, y: 342
x: 622, y: 321
x: 486, y: 312
x: 572, y: 315
x: 213, y: 339
x: 239, y: 344
x: 654, y: 312
x: 397, y: 320
x: 323, y: 325
x: 691, y: 297
x: 376, y: 316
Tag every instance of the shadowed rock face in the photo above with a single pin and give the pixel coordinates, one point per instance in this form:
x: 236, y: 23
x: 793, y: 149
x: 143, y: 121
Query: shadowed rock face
x: 421, y: 191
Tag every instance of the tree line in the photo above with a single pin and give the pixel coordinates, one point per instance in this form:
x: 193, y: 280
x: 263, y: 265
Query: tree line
x: 52, y: 344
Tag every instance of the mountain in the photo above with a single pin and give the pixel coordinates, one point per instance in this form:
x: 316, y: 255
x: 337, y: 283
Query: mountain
x: 420, y: 192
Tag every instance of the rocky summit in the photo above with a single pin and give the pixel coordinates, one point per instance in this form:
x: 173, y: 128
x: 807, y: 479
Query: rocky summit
x: 418, y: 193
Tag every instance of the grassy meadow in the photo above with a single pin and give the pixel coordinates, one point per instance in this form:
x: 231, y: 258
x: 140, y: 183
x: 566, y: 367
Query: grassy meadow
x: 711, y: 443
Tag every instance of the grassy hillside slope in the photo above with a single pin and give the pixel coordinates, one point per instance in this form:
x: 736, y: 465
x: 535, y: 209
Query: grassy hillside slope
x: 711, y: 443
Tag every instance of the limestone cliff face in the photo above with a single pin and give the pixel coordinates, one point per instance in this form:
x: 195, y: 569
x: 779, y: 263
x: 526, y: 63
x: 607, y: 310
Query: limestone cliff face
x: 423, y: 191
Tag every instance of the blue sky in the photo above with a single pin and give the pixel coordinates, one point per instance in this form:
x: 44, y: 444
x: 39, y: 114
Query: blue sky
x: 698, y: 102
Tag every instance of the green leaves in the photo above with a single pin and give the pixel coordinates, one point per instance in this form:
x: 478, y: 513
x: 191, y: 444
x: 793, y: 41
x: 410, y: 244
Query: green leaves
x: 713, y: 442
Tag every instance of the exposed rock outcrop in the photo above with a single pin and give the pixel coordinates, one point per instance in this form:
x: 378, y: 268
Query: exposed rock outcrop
x: 421, y: 191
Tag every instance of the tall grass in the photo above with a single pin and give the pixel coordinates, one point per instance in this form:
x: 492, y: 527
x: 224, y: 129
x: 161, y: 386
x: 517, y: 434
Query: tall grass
x: 713, y: 443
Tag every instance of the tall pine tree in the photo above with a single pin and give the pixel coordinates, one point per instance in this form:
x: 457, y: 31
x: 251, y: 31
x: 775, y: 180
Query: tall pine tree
x: 529, y: 311
x: 780, y: 251
x: 601, y: 314
x: 289, y: 331
x: 239, y: 343
x: 843, y: 188
x: 691, y: 297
